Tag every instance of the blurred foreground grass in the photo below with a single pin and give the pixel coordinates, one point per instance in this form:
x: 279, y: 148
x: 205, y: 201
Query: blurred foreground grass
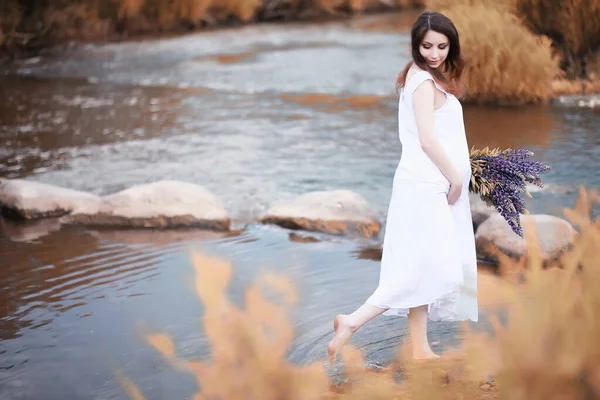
x: 547, y: 349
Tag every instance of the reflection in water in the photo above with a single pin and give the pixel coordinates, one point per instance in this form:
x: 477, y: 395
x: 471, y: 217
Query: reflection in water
x: 337, y: 104
x: 54, y: 278
x: 512, y: 127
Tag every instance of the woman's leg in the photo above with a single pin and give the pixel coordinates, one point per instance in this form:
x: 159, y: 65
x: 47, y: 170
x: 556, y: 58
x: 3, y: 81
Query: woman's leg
x: 344, y: 326
x: 417, y: 324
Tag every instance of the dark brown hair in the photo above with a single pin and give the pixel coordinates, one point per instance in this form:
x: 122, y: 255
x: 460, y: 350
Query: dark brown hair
x: 449, y: 77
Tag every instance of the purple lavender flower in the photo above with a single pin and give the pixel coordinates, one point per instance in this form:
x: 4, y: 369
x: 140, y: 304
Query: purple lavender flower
x: 501, y: 178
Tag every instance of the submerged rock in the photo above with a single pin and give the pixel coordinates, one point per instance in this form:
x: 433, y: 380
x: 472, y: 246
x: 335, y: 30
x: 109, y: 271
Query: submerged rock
x: 582, y: 101
x: 294, y: 237
x: 373, y: 253
x: 338, y: 212
x: 162, y: 204
x: 553, y: 235
x: 22, y: 199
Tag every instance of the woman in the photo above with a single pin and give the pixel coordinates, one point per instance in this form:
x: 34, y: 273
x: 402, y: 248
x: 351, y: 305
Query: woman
x: 428, y: 267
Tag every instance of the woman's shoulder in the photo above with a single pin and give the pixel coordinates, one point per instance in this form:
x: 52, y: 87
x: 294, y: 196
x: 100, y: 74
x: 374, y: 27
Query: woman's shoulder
x: 413, y: 70
x: 418, y: 74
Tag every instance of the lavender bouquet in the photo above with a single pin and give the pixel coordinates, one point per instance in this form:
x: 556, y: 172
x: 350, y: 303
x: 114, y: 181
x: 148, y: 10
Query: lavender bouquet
x: 500, y: 179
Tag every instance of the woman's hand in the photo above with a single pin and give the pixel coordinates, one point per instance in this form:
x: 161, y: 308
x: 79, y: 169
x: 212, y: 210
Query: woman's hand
x: 455, y: 190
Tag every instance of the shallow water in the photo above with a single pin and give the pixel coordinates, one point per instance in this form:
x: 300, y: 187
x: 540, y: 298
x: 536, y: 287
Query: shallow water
x: 256, y: 115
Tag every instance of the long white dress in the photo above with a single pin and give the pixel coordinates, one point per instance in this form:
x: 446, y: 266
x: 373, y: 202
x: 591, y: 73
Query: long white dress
x: 429, y: 246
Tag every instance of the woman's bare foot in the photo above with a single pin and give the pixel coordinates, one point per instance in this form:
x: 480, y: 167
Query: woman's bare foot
x: 343, y: 332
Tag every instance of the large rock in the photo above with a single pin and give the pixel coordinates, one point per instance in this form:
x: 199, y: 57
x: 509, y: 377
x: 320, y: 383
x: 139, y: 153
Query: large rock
x: 338, y: 212
x: 553, y: 235
x: 480, y: 211
x: 162, y: 204
x: 23, y: 199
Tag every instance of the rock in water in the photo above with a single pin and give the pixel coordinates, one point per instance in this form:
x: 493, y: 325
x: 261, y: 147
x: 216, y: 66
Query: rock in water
x: 480, y: 211
x: 162, y: 204
x: 338, y: 212
x: 22, y: 199
x: 553, y: 235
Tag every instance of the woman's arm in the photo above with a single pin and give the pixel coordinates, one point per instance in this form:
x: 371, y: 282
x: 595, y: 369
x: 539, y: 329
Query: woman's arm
x: 423, y: 105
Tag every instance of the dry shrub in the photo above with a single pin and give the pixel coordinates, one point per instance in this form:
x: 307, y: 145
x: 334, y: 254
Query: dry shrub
x: 130, y: 8
x: 440, y: 5
x: 194, y: 10
x: 398, y: 3
x: 10, y: 16
x: 147, y: 15
x: 593, y: 68
x: 73, y: 19
x: 506, y: 64
x: 573, y: 25
x: 334, y: 7
x: 548, y: 348
x: 244, y: 10
x: 576, y: 86
x: 50, y: 21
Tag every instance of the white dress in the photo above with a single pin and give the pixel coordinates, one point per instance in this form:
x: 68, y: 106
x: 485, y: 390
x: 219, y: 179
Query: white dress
x: 429, y: 245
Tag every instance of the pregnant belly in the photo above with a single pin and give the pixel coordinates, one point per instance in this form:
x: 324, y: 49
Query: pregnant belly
x: 418, y: 166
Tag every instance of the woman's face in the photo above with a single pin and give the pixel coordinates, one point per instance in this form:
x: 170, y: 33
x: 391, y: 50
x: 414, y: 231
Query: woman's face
x: 434, y: 48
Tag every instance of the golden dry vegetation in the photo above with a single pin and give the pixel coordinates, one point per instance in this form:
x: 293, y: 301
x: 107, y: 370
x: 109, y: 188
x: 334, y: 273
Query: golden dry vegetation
x: 10, y: 15
x: 526, y: 51
x: 573, y: 26
x: 53, y: 20
x: 506, y: 64
x: 547, y: 348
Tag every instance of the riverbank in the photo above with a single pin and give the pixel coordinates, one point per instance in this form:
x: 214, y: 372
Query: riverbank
x: 526, y: 67
x: 28, y: 27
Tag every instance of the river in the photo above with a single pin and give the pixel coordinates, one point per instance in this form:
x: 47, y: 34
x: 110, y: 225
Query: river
x: 255, y: 114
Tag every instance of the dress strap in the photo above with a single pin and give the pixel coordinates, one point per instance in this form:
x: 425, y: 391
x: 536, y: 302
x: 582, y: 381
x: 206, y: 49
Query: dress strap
x: 415, y: 81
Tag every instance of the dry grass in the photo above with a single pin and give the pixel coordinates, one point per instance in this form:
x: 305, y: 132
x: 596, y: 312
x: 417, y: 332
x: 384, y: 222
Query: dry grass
x: 55, y: 20
x: 506, y: 64
x: 589, y: 85
x: 441, y: 5
x: 74, y: 19
x: 573, y: 25
x: 577, y: 86
x: 548, y: 348
x: 130, y: 8
x: 10, y: 15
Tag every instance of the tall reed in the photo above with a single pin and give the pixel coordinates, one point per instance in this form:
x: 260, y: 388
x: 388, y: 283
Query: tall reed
x: 506, y: 63
x: 573, y: 26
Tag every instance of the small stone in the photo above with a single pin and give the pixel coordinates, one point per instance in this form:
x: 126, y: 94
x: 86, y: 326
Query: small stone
x: 338, y: 212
